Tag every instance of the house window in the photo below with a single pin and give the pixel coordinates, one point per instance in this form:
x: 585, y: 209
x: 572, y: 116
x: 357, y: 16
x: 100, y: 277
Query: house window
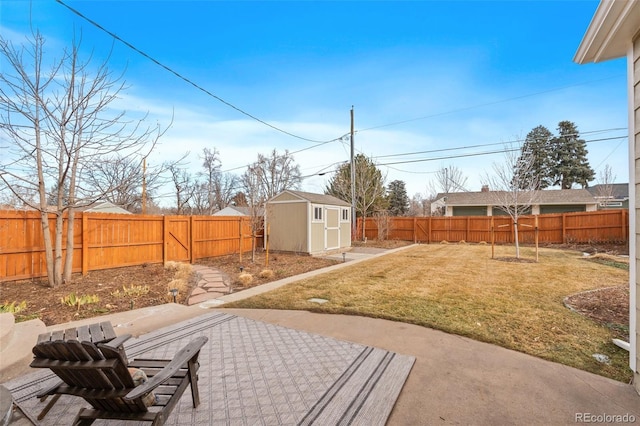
x: 345, y: 215
x: 317, y: 213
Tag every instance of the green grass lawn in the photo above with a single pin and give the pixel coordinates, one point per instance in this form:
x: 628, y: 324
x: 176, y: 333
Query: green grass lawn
x: 460, y: 289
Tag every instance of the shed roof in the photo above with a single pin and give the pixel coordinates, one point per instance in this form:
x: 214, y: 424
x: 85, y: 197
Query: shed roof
x: 315, y: 198
x: 559, y: 196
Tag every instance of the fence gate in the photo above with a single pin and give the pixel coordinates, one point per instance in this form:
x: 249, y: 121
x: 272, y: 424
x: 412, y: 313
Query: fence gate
x: 177, y: 234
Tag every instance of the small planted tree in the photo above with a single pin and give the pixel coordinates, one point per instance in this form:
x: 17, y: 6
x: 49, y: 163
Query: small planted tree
x: 513, y: 185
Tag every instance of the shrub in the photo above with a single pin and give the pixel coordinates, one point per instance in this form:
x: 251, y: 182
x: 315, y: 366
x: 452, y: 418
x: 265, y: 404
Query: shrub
x: 133, y: 291
x: 245, y: 279
x: 13, y: 307
x: 73, y: 300
x: 266, y: 273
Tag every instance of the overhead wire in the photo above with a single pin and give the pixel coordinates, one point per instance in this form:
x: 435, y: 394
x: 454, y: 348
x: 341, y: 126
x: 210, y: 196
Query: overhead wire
x: 188, y: 80
x: 341, y: 138
x: 453, y: 111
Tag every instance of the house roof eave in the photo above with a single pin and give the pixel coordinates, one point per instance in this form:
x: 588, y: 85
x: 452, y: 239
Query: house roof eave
x: 614, y: 24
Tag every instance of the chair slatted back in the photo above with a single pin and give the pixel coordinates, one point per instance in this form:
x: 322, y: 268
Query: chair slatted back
x: 102, y: 370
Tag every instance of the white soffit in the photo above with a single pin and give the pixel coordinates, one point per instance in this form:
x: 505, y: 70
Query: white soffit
x: 611, y: 31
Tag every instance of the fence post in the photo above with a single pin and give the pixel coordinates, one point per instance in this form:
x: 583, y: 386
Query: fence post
x: 564, y: 228
x: 466, y: 230
x: 415, y: 230
x: 165, y: 239
x: 192, y: 257
x: 429, y: 231
x: 624, y: 224
x: 240, y: 219
x: 85, y: 244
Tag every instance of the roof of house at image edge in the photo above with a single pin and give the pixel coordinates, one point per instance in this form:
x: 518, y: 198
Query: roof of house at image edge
x: 105, y: 207
x: 619, y: 191
x: 559, y: 196
x: 238, y: 211
x: 314, y: 198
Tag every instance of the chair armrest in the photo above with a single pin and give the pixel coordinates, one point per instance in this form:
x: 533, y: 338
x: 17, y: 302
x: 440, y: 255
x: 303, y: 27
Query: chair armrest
x: 117, y: 342
x: 184, y: 355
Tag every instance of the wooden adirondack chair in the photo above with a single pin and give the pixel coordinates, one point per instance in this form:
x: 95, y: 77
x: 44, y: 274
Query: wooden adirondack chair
x: 101, y: 374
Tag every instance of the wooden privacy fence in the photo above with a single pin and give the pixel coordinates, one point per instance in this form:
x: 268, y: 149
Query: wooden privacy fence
x: 103, y: 241
x: 604, y: 226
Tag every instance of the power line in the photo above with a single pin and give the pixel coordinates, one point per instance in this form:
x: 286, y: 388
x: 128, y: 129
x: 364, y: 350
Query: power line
x: 453, y: 111
x: 186, y: 79
x: 486, y: 144
x: 420, y: 160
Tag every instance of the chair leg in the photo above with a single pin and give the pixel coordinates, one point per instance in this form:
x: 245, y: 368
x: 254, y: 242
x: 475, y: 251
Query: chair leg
x: 82, y: 422
x: 193, y: 381
x: 50, y: 404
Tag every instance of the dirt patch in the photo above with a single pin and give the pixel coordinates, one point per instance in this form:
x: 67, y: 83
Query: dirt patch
x: 607, y: 306
x: 134, y: 287
x: 263, y: 270
x: 147, y: 286
x: 515, y: 259
x: 122, y: 289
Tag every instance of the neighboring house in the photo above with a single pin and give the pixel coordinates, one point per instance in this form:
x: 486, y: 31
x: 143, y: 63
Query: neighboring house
x: 611, y: 196
x: 484, y: 203
x: 305, y: 222
x: 234, y: 211
x: 104, y: 207
x: 613, y: 33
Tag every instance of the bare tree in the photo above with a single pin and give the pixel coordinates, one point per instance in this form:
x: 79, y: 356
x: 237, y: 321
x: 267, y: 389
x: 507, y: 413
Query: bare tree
x: 255, y: 198
x: 121, y: 181
x: 225, y: 186
x: 383, y: 223
x: 448, y: 179
x: 220, y: 187
x: 211, y: 165
x: 185, y: 188
x: 276, y: 173
x: 605, y: 191
x: 513, y: 186
x: 61, y: 122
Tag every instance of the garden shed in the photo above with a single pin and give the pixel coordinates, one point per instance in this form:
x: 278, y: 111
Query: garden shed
x: 305, y: 222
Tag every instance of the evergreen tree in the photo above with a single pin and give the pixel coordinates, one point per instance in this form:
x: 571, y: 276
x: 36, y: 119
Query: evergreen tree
x: 369, y: 187
x: 397, y: 198
x: 569, y: 157
x: 537, y: 147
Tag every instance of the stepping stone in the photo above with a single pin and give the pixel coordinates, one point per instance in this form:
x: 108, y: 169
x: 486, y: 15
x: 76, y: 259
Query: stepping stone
x: 214, y: 285
x: 194, y: 300
x: 197, y: 291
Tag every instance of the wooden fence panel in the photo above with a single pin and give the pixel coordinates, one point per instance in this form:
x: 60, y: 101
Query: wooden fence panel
x: 112, y: 240
x: 581, y: 227
x: 220, y: 235
x: 103, y: 241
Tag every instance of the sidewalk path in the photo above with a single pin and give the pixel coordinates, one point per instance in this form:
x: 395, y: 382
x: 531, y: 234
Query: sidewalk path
x: 211, y: 284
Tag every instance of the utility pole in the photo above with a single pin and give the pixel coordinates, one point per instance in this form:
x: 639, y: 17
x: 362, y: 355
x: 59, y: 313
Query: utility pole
x: 353, y: 183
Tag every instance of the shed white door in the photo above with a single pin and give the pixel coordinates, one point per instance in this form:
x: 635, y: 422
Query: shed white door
x: 331, y: 228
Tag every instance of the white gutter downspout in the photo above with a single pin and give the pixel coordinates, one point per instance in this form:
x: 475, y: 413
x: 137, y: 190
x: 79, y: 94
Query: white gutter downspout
x: 633, y: 319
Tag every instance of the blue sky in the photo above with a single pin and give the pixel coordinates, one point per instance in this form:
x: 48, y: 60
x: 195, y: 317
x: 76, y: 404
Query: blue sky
x: 421, y: 76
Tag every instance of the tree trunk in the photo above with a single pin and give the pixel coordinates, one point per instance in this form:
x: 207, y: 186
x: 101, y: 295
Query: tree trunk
x: 515, y: 233
x: 48, y: 247
x: 57, y: 252
x: 68, y: 259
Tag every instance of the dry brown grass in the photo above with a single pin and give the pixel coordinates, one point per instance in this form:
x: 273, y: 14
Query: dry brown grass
x: 245, y: 279
x: 460, y: 289
x: 267, y: 274
x: 182, y: 274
